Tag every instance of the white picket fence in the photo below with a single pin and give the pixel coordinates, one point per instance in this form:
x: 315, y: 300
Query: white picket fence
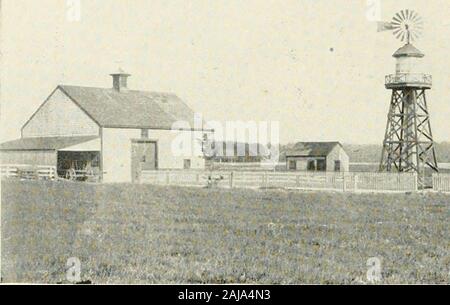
x: 26, y: 171
x: 354, y: 182
x: 441, y: 182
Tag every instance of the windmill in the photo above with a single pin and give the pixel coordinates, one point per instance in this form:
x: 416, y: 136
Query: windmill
x: 406, y: 25
x: 408, y: 144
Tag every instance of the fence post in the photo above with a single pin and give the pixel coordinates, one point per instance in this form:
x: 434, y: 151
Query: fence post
x: 416, y: 182
x: 231, y: 180
x: 344, y: 182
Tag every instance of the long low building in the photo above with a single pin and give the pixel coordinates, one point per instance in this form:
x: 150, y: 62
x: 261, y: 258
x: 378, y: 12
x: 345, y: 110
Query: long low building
x: 317, y: 156
x: 115, y: 132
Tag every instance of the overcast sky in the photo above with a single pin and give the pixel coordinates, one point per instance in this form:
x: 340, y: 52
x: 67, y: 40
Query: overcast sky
x: 316, y: 66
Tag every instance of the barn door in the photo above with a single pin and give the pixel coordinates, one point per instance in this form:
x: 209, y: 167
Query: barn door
x: 143, y: 157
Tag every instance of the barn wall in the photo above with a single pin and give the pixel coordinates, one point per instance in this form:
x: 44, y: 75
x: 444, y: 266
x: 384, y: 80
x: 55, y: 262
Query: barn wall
x: 60, y: 116
x: 338, y: 153
x: 117, y: 152
x: 28, y: 157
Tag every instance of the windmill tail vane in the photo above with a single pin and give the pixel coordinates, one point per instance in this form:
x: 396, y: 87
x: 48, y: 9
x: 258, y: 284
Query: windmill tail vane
x: 384, y: 26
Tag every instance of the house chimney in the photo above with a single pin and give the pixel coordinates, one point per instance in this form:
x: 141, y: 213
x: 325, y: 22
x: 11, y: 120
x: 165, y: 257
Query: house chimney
x: 120, y: 80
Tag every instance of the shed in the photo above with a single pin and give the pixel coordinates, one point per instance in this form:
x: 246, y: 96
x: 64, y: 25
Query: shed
x: 317, y: 156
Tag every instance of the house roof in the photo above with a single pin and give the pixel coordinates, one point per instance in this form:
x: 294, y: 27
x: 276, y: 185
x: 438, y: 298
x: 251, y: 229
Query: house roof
x: 311, y: 149
x: 130, y: 108
x: 408, y: 50
x: 45, y: 143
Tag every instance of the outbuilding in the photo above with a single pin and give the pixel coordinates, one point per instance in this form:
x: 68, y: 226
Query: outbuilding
x: 115, y: 132
x: 317, y: 157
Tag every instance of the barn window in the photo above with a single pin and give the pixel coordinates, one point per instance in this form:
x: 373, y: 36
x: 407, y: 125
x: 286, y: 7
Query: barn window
x: 337, y: 166
x: 187, y: 164
x: 144, y: 133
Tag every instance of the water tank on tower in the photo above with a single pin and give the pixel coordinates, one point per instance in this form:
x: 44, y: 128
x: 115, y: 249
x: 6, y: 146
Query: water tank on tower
x: 409, y: 69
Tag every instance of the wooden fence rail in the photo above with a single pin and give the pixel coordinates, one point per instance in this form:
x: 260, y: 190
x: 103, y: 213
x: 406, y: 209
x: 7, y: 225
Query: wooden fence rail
x: 441, y: 182
x: 24, y: 171
x: 355, y: 182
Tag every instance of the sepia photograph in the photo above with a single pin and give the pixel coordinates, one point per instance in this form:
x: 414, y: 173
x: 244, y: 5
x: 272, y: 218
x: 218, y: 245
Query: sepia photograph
x: 203, y: 143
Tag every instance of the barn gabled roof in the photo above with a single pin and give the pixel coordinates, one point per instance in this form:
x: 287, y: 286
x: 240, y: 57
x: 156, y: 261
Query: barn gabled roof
x: 45, y: 143
x: 311, y: 149
x: 130, y: 108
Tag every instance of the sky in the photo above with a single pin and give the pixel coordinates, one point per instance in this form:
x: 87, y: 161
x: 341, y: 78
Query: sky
x: 315, y: 66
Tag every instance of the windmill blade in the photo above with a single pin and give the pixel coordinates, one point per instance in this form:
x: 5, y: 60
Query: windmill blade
x: 417, y: 34
x: 403, y: 36
x: 407, y: 15
x: 403, y: 15
x: 399, y: 35
x: 396, y: 31
x: 397, y: 28
x: 414, y: 15
x: 397, y: 19
x: 418, y: 23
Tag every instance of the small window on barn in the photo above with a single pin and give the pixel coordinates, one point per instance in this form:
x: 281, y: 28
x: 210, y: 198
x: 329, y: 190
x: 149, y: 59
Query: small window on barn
x: 187, y: 164
x: 337, y: 166
x: 144, y: 133
x: 321, y: 165
x: 292, y: 165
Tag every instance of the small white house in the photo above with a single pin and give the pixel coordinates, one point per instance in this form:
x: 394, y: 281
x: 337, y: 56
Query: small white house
x: 317, y: 157
x: 115, y: 131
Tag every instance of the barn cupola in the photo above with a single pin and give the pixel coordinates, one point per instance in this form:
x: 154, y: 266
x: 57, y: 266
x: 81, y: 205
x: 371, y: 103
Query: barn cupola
x: 120, y: 80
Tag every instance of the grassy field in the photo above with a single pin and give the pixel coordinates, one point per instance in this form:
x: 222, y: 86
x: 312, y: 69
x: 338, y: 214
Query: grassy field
x: 149, y: 234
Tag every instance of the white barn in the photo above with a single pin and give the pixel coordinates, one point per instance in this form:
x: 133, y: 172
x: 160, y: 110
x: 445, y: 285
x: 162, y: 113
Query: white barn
x: 116, y: 132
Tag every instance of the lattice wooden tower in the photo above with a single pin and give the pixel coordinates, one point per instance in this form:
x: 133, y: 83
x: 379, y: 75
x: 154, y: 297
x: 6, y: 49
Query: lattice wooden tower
x: 408, y: 143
